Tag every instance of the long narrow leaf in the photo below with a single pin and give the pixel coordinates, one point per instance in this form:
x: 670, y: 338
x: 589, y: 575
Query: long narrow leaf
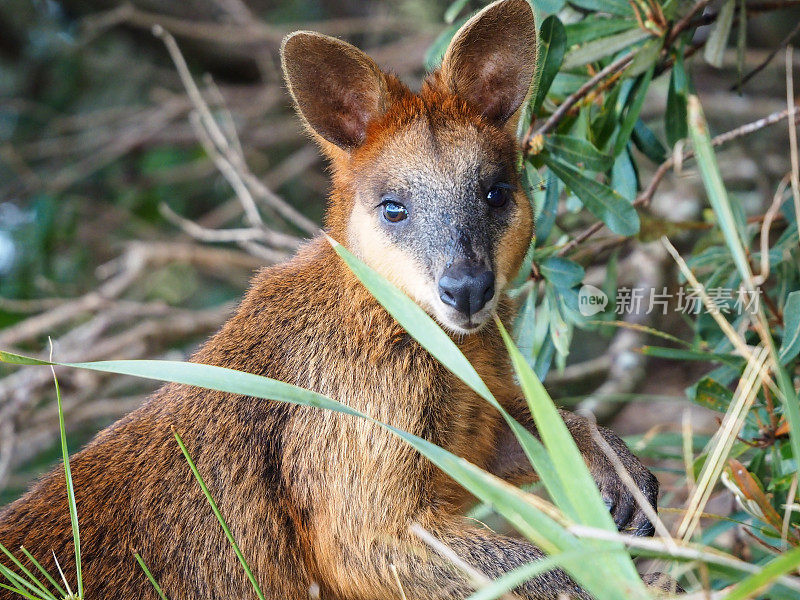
x: 424, y: 329
x: 772, y: 570
x: 718, y: 38
x: 566, y: 457
x: 43, y: 571
x: 512, y: 503
x: 73, y: 508
x: 552, y: 45
x: 41, y: 587
x: 606, y: 204
x: 221, y: 520
x: 150, y: 577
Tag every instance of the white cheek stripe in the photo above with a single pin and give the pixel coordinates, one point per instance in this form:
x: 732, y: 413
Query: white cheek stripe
x: 371, y: 244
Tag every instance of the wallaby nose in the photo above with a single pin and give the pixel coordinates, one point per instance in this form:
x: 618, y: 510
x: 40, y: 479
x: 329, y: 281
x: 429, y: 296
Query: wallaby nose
x: 466, y: 287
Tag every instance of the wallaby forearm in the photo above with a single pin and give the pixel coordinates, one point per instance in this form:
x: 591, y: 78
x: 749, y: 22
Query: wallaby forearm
x: 511, y: 463
x: 424, y: 574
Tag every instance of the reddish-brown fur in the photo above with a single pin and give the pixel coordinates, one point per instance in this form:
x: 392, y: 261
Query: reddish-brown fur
x: 312, y: 497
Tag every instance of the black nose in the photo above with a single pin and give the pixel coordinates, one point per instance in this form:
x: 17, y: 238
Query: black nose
x: 466, y: 287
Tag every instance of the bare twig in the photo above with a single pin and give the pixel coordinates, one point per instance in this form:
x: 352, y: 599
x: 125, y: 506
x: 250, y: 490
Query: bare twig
x: 773, y: 53
x: 476, y: 578
x: 240, y: 236
x: 230, y: 164
x: 570, y: 101
x: 627, y: 480
x: 766, y: 225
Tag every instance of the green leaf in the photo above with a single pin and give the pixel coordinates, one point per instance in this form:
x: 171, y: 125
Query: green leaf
x: 73, y: 508
x: 693, y: 355
x: 595, y: 26
x: 43, y: 571
x: 567, y: 460
x: 544, y: 357
x: 578, y: 151
x: 647, y: 142
x: 600, y: 48
x: 16, y: 590
x: 543, y: 8
x: 552, y: 45
x: 511, y: 502
x: 422, y: 328
x: 623, y: 177
x: 604, y: 124
x: 718, y: 38
x: 634, y: 109
x: 675, y: 122
x: 453, y: 10
x: 614, y: 7
x: 606, y: 204
x: 547, y: 214
x: 790, y: 345
x: 417, y: 323
x: 712, y: 394
x: 150, y: 577
x: 516, y: 577
x: 646, y: 57
x: 715, y: 188
x: 757, y: 583
x: 32, y: 583
x: 562, y: 272
x: 218, y: 514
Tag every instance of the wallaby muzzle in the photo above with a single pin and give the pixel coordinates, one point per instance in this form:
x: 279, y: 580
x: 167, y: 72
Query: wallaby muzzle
x: 467, y: 287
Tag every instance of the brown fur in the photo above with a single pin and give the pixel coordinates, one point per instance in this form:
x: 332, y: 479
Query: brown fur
x: 314, y: 497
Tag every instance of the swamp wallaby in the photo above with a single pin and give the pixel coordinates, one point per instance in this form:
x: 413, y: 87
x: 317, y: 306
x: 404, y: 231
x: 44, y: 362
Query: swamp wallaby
x: 425, y: 190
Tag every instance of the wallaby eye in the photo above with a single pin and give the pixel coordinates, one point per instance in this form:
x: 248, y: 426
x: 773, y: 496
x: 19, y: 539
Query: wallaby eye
x: 394, y: 212
x: 497, y: 196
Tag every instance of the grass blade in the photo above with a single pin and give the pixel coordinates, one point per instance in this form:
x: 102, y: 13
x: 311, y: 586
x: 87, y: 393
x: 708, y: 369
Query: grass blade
x: 20, y: 592
x: 18, y: 582
x: 715, y: 188
x: 73, y: 509
x: 718, y: 198
x: 781, y: 565
x: 424, y: 329
x: 221, y: 520
x: 534, y: 518
x: 43, y: 571
x: 152, y: 579
x: 567, y: 459
x: 25, y: 571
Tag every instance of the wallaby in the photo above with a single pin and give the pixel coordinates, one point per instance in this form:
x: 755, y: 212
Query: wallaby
x: 425, y: 190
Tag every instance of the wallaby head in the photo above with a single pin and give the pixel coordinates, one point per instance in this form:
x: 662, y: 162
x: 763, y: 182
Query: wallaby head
x: 425, y: 185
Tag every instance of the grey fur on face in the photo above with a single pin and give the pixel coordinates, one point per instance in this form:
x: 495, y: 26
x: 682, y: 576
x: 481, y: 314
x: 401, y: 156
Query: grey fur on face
x: 442, y: 182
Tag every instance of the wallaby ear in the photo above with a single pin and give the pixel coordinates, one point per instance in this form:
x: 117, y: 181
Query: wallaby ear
x: 492, y: 58
x: 336, y: 88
